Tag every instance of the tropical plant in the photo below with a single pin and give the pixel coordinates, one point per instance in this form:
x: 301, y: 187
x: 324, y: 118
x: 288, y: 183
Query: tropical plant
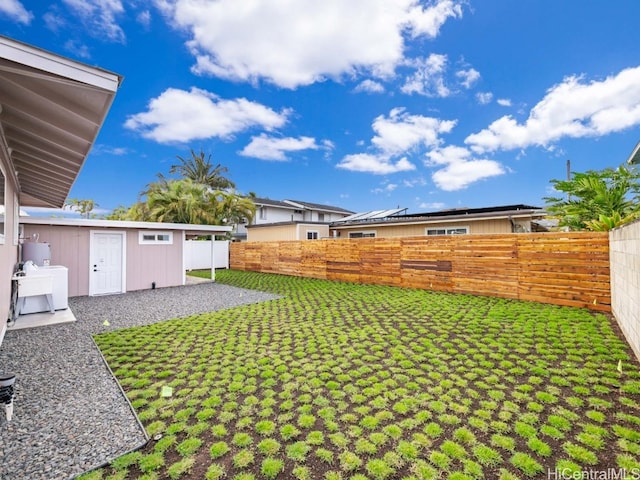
x: 199, y: 169
x: 83, y: 207
x: 597, y: 200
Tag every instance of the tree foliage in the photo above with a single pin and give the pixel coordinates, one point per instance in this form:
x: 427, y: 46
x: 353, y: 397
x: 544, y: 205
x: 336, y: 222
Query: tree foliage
x: 201, y: 196
x: 199, y: 169
x: 83, y: 206
x: 597, y: 200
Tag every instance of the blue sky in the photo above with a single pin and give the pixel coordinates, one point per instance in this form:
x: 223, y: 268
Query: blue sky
x: 361, y: 104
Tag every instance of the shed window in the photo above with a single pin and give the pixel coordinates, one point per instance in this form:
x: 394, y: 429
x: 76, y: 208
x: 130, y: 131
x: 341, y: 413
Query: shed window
x: 155, y: 238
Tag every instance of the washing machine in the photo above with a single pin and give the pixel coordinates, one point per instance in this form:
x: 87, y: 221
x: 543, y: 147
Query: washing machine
x: 60, y: 293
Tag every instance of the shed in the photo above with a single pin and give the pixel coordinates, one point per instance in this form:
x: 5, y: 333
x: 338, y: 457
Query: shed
x: 109, y: 256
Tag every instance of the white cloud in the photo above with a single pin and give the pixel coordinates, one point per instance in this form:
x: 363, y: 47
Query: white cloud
x: 414, y: 182
x: 484, y: 98
x: 432, y: 205
x: 144, y: 18
x: 397, y: 135
x: 298, y: 42
x: 468, y: 77
x: 388, y: 188
x: 573, y: 109
x: 80, y: 50
x: 401, y: 132
x: 459, y: 168
x: 377, y: 164
x: 428, y: 20
x: 16, y: 11
x: 504, y: 102
x: 272, y: 148
x: 369, y: 86
x: 100, y: 16
x: 181, y: 116
x: 428, y: 78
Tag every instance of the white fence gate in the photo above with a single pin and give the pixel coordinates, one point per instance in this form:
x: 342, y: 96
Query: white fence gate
x: 197, y: 254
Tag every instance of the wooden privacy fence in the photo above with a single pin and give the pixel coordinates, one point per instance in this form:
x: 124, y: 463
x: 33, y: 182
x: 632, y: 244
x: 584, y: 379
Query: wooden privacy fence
x: 559, y: 268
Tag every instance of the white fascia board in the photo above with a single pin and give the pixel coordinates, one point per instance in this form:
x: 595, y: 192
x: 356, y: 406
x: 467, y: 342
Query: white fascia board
x: 48, y: 62
x: 81, y: 222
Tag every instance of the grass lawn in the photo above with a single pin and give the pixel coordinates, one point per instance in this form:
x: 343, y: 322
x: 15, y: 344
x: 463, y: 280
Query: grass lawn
x: 344, y: 381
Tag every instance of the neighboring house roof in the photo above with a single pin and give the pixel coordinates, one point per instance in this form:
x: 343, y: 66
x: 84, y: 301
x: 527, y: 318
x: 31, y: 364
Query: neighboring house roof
x: 99, y: 223
x: 317, y: 206
x: 634, y: 158
x: 299, y: 205
x: 506, y: 211
x: 267, y: 202
x: 373, y: 215
x: 52, y: 110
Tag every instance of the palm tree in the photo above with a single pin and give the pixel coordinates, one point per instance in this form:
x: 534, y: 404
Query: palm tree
x: 83, y: 207
x: 182, y: 201
x: 597, y: 200
x: 233, y: 209
x: 200, y: 170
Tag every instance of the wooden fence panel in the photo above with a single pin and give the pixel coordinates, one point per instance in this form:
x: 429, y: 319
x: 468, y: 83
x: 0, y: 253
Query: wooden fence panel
x: 485, y: 265
x: 559, y: 268
x: 380, y: 261
x: 567, y: 269
x: 313, y: 262
x: 343, y: 260
x: 426, y: 265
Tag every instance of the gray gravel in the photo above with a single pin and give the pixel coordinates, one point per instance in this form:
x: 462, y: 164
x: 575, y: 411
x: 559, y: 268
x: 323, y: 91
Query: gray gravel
x: 70, y: 415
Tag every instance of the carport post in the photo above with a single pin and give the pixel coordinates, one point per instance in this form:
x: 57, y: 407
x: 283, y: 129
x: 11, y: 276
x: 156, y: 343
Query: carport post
x: 213, y: 257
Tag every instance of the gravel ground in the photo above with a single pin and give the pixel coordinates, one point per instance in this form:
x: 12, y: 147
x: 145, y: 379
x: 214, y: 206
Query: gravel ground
x: 70, y: 415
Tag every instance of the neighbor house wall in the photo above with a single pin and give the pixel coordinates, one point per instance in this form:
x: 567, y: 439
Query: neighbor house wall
x: 272, y: 233
x: 144, y: 263
x: 417, y: 229
x: 290, y: 231
x: 303, y: 229
x: 625, y: 281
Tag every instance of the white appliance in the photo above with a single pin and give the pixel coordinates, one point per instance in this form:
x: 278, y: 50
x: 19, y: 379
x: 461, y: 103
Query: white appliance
x: 37, y: 252
x: 60, y: 293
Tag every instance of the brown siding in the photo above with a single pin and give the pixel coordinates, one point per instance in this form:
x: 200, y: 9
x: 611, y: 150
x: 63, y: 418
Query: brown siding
x: 559, y: 268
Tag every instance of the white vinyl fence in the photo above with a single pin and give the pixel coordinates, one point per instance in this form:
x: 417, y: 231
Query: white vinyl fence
x: 197, y: 254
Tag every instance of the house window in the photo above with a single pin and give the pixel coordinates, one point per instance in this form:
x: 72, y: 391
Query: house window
x: 263, y: 213
x: 155, y: 238
x: 312, y: 235
x: 448, y: 231
x: 321, y: 217
x: 362, y: 234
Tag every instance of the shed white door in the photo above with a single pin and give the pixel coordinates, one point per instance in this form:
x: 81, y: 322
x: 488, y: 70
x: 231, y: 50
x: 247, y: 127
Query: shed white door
x: 106, y: 268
